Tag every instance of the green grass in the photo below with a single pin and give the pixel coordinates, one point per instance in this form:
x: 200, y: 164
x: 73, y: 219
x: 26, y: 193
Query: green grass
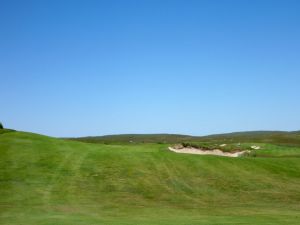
x: 2, y: 131
x: 48, y: 181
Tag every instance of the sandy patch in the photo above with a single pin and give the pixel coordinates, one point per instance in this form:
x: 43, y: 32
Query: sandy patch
x: 217, y: 152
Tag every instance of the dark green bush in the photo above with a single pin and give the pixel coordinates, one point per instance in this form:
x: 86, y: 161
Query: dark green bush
x: 1, y: 126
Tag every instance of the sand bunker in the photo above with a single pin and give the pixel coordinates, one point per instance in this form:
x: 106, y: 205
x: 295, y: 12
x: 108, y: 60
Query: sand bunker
x: 190, y: 150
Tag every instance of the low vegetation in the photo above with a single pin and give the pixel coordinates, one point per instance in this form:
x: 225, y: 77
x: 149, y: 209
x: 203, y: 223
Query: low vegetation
x: 232, y: 147
x: 270, y: 137
x: 2, y: 131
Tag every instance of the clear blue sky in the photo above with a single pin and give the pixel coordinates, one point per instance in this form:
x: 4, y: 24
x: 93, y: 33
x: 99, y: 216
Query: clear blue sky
x: 77, y: 68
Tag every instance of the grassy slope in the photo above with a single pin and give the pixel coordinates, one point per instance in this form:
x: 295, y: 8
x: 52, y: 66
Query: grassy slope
x: 50, y: 181
x: 271, y: 137
x: 2, y: 131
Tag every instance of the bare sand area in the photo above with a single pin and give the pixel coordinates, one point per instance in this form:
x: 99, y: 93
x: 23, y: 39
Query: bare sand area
x: 191, y: 150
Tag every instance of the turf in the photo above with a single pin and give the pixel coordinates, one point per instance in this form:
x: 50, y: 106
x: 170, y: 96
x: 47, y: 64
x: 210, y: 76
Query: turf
x: 49, y: 181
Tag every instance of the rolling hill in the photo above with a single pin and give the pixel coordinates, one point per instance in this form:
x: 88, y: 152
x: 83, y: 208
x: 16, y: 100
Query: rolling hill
x: 272, y: 137
x: 50, y: 181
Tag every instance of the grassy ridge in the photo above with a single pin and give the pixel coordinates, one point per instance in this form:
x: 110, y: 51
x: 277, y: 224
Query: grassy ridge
x: 135, y: 138
x: 3, y: 131
x: 51, y: 181
x: 271, y: 137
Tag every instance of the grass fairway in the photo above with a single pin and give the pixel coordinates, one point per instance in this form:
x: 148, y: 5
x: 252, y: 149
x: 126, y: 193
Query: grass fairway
x: 48, y: 181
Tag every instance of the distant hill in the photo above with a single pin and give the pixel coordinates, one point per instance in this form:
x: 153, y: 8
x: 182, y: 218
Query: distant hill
x: 274, y: 137
x: 136, y: 138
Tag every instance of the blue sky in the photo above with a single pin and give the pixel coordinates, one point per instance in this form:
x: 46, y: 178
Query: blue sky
x: 77, y: 68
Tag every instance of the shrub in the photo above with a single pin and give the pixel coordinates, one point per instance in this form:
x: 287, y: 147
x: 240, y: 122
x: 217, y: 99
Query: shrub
x: 1, y: 126
x: 249, y: 154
